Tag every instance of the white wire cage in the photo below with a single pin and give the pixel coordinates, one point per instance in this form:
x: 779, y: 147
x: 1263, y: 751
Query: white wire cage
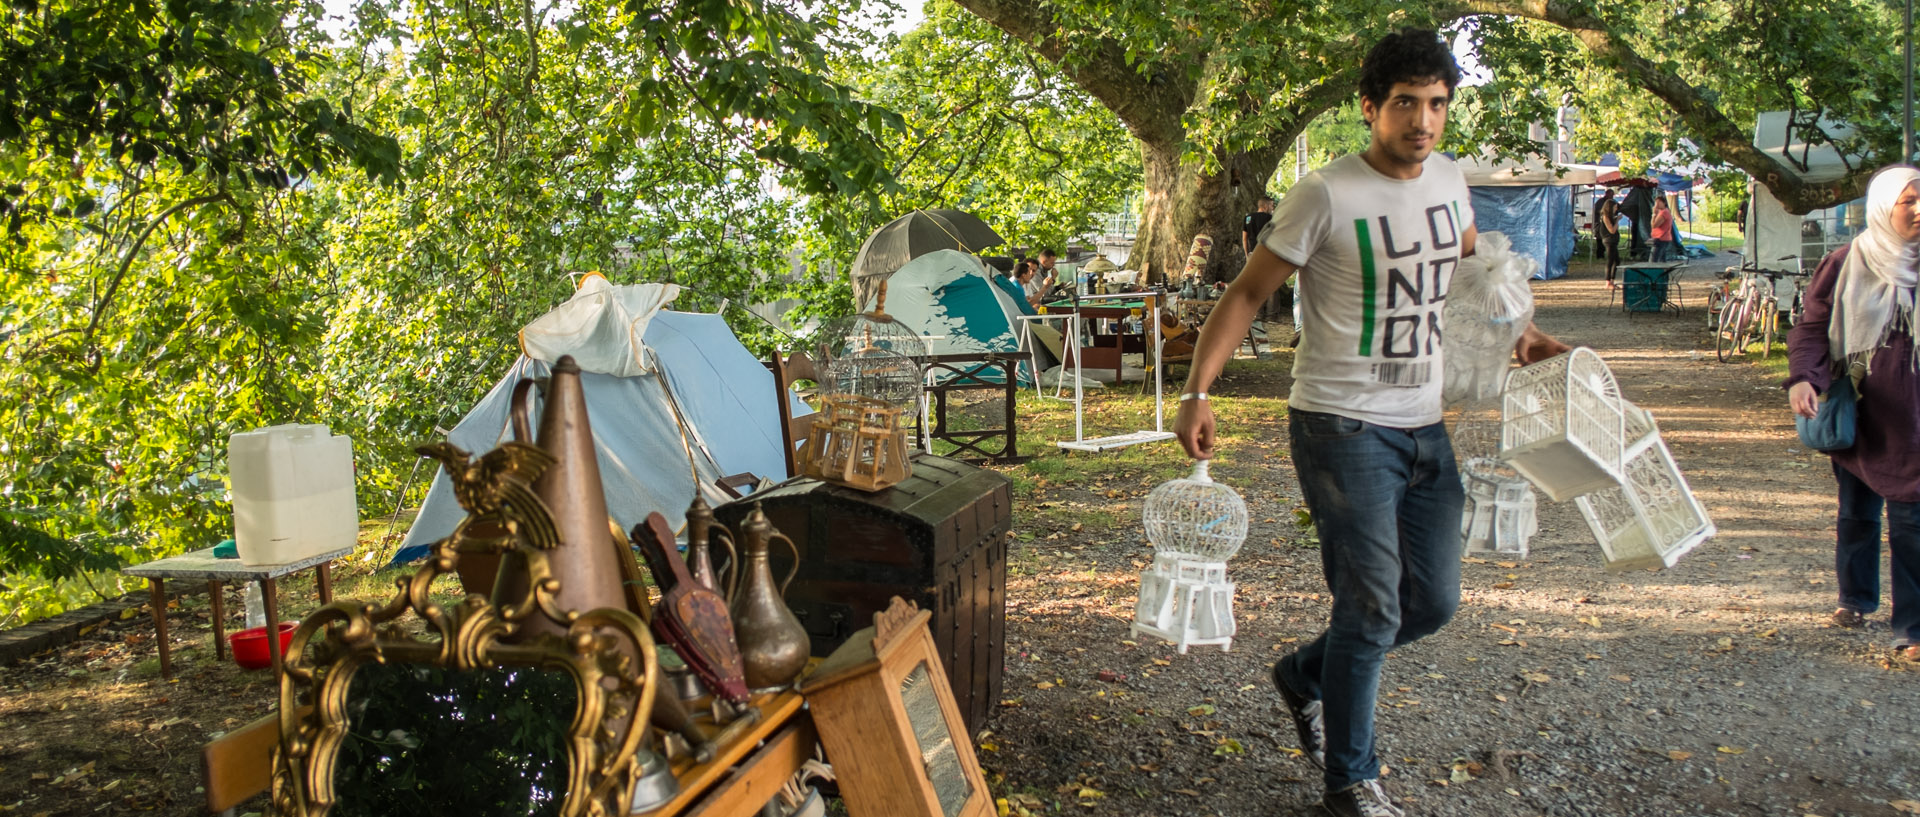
x: 1195, y: 525
x: 1650, y: 518
x: 1196, y: 518
x: 1564, y: 425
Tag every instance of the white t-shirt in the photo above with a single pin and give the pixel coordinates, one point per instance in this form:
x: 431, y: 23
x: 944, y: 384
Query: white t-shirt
x: 1377, y: 255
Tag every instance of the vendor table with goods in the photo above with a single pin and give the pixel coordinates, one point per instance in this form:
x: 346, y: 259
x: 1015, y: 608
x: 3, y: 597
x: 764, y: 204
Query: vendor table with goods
x: 1114, y: 326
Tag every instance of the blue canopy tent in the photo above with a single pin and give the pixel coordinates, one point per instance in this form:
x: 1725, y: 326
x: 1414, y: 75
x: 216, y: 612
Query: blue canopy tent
x: 1532, y: 203
x: 704, y: 409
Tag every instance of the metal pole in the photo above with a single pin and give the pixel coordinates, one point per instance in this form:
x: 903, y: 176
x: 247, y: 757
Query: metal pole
x: 1906, y: 122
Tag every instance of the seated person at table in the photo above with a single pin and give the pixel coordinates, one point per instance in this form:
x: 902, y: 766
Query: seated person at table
x: 1023, y: 273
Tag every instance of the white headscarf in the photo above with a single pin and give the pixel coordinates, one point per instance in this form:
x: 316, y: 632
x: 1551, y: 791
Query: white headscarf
x: 1874, y: 295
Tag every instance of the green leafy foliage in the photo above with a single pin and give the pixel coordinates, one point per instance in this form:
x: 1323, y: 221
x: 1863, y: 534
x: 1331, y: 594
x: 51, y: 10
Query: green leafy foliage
x: 155, y: 305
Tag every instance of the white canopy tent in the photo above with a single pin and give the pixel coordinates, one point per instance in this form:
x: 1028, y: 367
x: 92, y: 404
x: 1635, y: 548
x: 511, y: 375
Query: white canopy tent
x: 1772, y: 232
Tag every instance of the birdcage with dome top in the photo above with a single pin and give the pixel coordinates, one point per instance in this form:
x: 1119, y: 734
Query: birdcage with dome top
x: 1195, y: 525
x: 872, y: 372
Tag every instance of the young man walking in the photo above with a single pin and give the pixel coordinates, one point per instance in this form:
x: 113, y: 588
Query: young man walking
x: 1375, y: 237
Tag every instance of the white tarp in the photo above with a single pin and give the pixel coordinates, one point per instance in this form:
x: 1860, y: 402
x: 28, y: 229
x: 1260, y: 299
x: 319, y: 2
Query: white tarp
x: 1485, y: 171
x: 602, y: 326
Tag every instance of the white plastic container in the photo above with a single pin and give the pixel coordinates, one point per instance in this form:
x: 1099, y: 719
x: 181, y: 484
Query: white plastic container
x: 292, y: 493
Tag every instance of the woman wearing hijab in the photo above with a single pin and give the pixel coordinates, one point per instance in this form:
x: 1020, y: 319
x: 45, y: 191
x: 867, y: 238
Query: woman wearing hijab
x: 1859, y: 323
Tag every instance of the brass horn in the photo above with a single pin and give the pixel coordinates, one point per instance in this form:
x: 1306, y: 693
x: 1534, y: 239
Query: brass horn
x: 584, y: 563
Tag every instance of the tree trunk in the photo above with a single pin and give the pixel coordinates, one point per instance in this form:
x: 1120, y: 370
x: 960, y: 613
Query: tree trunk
x: 1182, y: 201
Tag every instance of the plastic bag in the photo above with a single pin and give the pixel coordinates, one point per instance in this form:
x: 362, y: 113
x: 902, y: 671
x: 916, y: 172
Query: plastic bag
x: 1488, y: 307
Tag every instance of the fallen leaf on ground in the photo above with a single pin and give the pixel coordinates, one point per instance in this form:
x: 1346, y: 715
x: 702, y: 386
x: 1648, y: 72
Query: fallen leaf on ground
x: 1905, y: 806
x: 1679, y: 755
x: 1537, y: 677
x: 1201, y: 711
x: 1621, y: 678
x: 1731, y: 750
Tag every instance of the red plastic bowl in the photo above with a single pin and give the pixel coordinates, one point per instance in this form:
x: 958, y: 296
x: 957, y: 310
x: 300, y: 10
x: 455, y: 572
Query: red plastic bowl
x: 250, y: 645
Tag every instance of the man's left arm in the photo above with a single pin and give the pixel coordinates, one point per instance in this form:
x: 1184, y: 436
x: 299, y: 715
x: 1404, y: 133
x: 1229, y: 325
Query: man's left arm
x: 1534, y: 345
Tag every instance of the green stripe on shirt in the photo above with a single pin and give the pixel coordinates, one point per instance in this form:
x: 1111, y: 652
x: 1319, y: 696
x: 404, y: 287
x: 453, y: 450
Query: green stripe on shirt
x: 1367, y: 286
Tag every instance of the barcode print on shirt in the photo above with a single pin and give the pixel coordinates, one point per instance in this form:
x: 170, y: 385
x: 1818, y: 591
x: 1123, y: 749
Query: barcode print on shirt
x: 1417, y: 373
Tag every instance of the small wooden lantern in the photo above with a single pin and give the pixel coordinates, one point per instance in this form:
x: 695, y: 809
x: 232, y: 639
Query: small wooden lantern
x: 889, y: 723
x: 858, y: 443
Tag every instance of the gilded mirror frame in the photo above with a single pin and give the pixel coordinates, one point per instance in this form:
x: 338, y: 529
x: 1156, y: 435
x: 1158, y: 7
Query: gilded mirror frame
x: 607, y: 652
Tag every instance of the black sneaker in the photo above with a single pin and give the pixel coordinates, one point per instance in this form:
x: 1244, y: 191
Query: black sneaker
x: 1307, y: 723
x: 1362, y: 799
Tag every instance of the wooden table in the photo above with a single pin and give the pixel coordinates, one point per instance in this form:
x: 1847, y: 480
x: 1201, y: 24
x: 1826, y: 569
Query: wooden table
x: 202, y: 564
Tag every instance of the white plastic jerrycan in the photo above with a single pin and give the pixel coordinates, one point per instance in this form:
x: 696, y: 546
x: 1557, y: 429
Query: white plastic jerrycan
x: 292, y: 493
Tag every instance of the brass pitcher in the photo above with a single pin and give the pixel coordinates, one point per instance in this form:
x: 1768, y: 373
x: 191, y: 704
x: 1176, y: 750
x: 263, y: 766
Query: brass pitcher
x: 773, y: 644
x: 702, y: 534
x: 585, y: 563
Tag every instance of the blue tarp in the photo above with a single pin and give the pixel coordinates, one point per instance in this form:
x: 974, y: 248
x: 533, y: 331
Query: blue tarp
x: 646, y: 461
x: 1538, y: 220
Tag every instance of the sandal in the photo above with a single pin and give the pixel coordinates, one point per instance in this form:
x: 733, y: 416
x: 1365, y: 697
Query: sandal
x: 1911, y: 652
x: 1849, y: 619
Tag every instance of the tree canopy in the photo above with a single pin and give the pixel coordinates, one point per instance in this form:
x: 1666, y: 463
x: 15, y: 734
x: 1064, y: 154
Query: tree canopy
x: 1215, y: 92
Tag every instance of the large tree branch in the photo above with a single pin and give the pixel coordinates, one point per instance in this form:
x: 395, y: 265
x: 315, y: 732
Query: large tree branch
x: 1150, y: 105
x: 1701, y: 116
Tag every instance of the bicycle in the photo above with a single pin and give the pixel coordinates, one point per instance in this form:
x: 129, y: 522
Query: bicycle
x: 1751, y: 310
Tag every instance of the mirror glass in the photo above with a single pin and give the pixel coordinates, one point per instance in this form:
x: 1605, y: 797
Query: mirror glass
x: 937, y: 752
x: 430, y: 740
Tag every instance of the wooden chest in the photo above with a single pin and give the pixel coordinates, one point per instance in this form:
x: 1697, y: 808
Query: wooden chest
x: 938, y: 539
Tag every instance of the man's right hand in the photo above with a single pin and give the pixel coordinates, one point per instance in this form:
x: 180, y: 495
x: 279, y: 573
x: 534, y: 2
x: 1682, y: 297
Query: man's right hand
x: 1193, y: 426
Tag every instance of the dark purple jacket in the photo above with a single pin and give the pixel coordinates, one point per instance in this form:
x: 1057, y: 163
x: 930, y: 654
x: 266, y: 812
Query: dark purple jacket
x: 1886, y: 449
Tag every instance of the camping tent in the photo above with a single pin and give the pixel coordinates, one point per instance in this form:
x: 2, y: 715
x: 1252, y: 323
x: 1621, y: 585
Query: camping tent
x: 701, y: 408
x: 1773, y: 232
x: 952, y: 299
x: 1532, y: 202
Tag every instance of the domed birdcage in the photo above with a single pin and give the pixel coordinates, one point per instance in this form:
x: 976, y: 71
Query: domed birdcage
x: 872, y: 371
x: 870, y: 354
x: 1195, y: 525
x: 876, y: 374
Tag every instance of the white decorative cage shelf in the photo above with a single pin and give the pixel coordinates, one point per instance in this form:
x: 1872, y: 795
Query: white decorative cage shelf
x: 1650, y: 518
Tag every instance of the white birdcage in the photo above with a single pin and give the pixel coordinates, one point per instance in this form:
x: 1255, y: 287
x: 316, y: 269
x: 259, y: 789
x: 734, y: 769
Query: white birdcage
x: 1499, y: 515
x: 1564, y: 425
x: 873, y: 355
x: 1650, y: 518
x: 1195, y: 525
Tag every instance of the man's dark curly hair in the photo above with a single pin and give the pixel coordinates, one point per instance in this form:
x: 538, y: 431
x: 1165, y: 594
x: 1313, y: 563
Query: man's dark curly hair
x: 1413, y: 55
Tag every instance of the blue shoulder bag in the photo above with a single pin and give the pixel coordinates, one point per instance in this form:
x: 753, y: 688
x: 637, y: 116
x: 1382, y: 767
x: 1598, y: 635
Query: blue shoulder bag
x: 1832, y: 426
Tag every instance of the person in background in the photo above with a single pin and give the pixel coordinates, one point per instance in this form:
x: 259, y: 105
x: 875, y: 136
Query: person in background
x: 1255, y: 221
x: 1373, y: 459
x: 1025, y: 273
x: 1282, y: 301
x: 1044, y: 270
x: 1662, y: 233
x: 1859, y: 323
x: 1606, y: 228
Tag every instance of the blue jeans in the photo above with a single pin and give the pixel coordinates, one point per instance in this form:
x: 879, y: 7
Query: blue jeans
x: 1856, y: 556
x: 1662, y: 250
x: 1386, y: 503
